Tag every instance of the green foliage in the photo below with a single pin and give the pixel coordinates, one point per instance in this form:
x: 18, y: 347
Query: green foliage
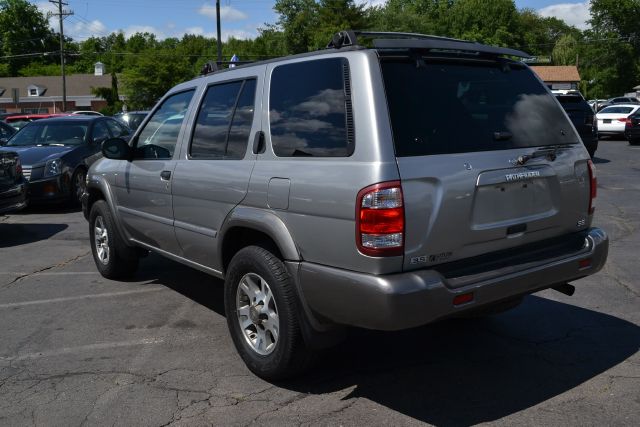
x: 565, y: 52
x: 156, y: 72
x: 23, y: 30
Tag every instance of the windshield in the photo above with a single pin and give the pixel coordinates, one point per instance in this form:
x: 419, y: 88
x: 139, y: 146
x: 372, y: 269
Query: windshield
x: 619, y: 110
x: 442, y: 106
x: 61, y: 133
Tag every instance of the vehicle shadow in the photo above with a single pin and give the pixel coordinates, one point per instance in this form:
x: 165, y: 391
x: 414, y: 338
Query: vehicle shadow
x: 44, y: 208
x: 600, y: 160
x: 15, y: 234
x: 455, y: 372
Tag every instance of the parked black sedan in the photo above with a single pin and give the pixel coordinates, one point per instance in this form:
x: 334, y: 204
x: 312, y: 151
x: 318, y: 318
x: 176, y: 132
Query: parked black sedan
x: 13, y: 187
x: 56, y: 153
x: 632, y: 129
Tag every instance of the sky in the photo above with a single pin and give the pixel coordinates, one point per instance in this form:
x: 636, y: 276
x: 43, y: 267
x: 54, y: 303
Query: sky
x: 240, y: 18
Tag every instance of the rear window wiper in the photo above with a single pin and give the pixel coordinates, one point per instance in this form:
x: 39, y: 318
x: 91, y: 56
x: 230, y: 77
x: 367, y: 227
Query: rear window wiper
x: 550, y: 153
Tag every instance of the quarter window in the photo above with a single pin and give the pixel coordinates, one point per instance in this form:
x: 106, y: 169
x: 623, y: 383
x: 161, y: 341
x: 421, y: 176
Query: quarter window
x: 159, y: 137
x: 310, y: 109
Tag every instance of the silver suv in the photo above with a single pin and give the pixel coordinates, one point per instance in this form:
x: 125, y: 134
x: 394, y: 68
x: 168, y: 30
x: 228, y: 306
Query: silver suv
x: 381, y: 187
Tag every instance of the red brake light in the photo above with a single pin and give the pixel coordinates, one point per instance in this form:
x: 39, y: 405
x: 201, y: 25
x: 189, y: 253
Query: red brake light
x: 380, y: 220
x: 593, y: 186
x: 625, y: 120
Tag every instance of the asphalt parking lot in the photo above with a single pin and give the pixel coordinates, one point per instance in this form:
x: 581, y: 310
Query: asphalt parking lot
x: 78, y: 349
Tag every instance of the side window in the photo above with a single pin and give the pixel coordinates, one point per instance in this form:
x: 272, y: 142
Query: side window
x: 116, y: 129
x: 224, y: 121
x: 310, y: 109
x: 99, y: 133
x: 159, y: 137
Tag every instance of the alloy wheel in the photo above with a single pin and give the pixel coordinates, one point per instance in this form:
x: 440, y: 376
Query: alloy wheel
x: 257, y: 314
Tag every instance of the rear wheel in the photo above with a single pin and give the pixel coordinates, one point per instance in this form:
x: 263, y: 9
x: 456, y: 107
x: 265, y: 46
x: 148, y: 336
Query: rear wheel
x: 634, y: 142
x: 263, y: 315
x: 113, y: 259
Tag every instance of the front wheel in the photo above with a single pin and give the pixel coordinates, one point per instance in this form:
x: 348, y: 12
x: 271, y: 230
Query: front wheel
x: 263, y: 315
x: 113, y: 259
x: 78, y: 186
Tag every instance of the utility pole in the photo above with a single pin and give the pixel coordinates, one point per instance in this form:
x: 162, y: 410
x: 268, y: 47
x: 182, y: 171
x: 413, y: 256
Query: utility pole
x: 219, y: 36
x: 61, y: 15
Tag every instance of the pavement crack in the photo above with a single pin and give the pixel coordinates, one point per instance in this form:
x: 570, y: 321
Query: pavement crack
x: 50, y: 267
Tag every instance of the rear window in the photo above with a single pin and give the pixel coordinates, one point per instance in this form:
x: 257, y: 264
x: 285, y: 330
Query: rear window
x: 618, y: 110
x: 443, y: 107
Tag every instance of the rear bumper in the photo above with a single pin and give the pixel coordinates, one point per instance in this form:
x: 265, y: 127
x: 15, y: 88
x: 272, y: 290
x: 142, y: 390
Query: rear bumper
x: 405, y: 300
x: 13, y: 199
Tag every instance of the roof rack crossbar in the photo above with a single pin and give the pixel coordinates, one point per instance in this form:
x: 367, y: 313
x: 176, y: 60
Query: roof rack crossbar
x: 393, y: 40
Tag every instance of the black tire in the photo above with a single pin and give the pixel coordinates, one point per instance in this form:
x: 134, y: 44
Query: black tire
x: 289, y: 356
x: 592, y: 153
x: 634, y: 142
x: 121, y: 262
x: 77, y: 186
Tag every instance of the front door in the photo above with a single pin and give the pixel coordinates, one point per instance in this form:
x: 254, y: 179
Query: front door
x: 143, y: 191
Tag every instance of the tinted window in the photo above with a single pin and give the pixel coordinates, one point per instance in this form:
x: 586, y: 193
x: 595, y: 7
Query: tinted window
x: 309, y: 107
x: 116, y: 129
x: 210, y: 136
x: 242, y: 120
x: 159, y: 137
x: 56, y: 133
x: 454, y: 107
x: 99, y: 133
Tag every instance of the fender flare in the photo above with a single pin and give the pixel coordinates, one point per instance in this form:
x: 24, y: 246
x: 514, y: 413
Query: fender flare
x: 264, y: 221
x: 99, y: 183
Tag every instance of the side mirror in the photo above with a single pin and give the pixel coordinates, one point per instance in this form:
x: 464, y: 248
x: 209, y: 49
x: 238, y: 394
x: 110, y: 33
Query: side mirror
x: 116, y: 149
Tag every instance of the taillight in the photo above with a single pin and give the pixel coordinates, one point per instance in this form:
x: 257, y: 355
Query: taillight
x: 380, y: 220
x: 593, y: 185
x: 18, y: 167
x: 625, y: 120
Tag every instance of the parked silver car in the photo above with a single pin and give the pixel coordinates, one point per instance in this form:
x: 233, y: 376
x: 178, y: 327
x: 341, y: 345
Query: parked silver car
x: 327, y: 190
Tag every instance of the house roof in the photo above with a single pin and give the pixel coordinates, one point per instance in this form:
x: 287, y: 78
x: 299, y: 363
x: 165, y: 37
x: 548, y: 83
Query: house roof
x: 557, y: 73
x: 77, y: 84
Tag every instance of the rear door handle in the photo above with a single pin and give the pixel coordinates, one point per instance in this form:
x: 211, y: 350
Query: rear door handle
x: 165, y: 175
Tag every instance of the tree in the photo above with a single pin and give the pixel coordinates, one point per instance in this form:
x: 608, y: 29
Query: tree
x: 565, y: 51
x: 494, y: 22
x: 109, y: 94
x: 298, y: 19
x: 155, y: 73
x: 24, y: 30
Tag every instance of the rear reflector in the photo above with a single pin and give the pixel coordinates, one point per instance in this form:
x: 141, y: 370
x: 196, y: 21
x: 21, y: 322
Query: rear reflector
x: 463, y: 298
x: 380, y: 220
x: 584, y: 263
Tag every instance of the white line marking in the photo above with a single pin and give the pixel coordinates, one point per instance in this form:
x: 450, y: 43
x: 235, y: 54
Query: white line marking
x: 50, y: 273
x: 90, y: 347
x: 79, y: 297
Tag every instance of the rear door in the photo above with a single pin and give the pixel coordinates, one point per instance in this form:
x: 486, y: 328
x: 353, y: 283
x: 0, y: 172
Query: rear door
x: 460, y: 129
x: 212, y: 175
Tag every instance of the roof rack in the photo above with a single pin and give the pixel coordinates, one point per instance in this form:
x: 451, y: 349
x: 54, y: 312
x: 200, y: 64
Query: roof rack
x: 392, y: 40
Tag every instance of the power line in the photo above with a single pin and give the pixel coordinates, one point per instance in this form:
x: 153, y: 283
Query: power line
x: 61, y: 15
